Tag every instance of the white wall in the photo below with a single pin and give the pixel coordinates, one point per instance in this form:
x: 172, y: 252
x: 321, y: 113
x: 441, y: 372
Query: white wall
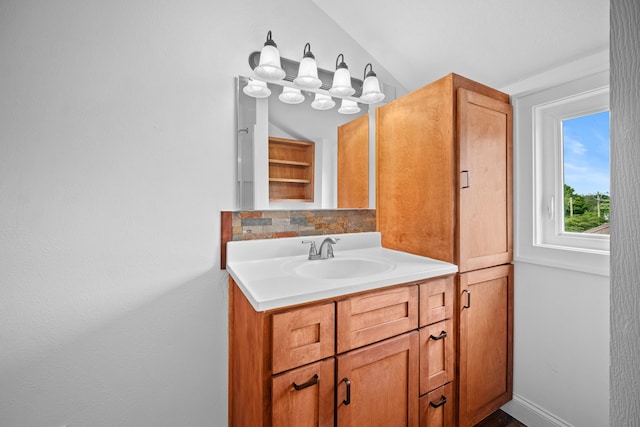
x: 625, y: 229
x: 117, y: 154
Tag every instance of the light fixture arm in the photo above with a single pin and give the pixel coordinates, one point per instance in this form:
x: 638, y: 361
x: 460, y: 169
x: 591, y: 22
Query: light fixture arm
x: 340, y: 63
x: 370, y: 73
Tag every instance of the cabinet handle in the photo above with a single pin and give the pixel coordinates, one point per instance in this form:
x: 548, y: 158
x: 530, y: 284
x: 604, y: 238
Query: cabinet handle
x: 443, y: 334
x: 468, y: 304
x: 312, y: 381
x: 442, y: 401
x: 468, y: 181
x: 347, y: 400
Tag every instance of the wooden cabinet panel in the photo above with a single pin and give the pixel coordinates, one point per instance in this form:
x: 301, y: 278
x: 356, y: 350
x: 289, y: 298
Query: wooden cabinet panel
x: 377, y: 385
x: 437, y: 355
x: 485, y: 357
x: 303, y: 335
x: 353, y: 163
x: 374, y: 316
x: 436, y: 300
x: 304, y: 396
x: 437, y: 409
x: 485, y: 168
x: 291, y: 166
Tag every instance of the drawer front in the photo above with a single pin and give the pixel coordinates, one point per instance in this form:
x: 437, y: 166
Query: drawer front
x: 374, y: 316
x: 437, y: 408
x: 436, y: 300
x: 302, y: 336
x: 437, y: 355
x: 304, y: 396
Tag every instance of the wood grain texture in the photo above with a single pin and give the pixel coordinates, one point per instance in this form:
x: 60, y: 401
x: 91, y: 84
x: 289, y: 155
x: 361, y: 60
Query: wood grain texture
x: 419, y: 159
x: 435, y: 413
x: 415, y: 162
x: 302, y: 336
x: 625, y: 228
x: 353, y: 163
x: 310, y: 406
x: 291, y: 169
x: 384, y: 384
x: 249, y: 398
x: 485, y: 197
x: 437, y: 356
x: 437, y: 300
x: 485, y: 342
x: 375, y: 316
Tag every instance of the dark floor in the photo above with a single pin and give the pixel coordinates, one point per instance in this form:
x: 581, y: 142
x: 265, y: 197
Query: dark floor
x: 500, y: 419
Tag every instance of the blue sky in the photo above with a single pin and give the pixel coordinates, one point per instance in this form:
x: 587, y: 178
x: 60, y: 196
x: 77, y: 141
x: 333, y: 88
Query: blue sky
x: 586, y: 153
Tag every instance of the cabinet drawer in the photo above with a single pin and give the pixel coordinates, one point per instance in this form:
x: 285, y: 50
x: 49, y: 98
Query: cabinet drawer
x: 437, y: 355
x: 304, y: 396
x: 302, y: 336
x: 436, y: 300
x: 437, y: 408
x: 374, y: 316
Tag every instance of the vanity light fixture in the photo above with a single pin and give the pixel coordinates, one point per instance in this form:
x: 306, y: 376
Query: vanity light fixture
x: 348, y: 107
x: 305, y: 75
x: 323, y: 102
x: 257, y: 89
x: 270, y: 67
x: 341, y: 79
x: 291, y: 95
x: 371, y: 87
x: 308, y: 71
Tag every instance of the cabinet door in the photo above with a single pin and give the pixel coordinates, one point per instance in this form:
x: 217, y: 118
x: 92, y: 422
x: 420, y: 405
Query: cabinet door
x: 485, y: 176
x: 374, y: 316
x: 437, y: 409
x: 304, y: 396
x: 437, y: 355
x: 377, y: 385
x: 485, y: 342
x: 353, y: 163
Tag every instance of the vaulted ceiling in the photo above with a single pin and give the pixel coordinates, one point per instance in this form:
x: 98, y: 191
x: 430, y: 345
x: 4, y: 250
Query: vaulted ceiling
x: 498, y: 42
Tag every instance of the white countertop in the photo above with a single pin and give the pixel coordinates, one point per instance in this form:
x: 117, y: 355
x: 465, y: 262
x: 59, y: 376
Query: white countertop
x: 263, y: 268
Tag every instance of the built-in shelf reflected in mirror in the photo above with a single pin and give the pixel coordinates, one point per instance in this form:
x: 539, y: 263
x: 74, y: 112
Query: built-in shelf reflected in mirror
x: 341, y: 165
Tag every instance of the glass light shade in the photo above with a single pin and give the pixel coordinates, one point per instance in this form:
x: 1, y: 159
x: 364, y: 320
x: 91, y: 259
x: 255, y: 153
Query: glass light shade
x: 371, y: 90
x: 308, y: 71
x: 269, y: 67
x: 323, y: 102
x: 256, y: 89
x: 291, y: 95
x: 349, y: 107
x: 342, y: 83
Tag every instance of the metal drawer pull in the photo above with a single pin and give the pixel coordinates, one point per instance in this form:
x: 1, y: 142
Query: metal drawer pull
x: 468, y: 304
x: 347, y: 400
x: 312, y: 381
x: 442, y: 401
x: 443, y: 334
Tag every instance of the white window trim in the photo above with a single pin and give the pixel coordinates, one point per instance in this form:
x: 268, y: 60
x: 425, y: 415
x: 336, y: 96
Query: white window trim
x: 548, y: 170
x: 538, y: 177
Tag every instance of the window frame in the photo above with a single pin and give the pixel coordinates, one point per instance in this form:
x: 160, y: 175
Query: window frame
x: 533, y: 170
x: 549, y: 170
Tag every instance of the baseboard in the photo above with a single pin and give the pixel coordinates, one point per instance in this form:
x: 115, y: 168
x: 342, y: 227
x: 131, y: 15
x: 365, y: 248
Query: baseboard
x: 532, y: 415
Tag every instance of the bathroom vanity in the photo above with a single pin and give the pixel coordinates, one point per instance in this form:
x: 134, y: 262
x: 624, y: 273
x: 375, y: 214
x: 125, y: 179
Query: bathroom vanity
x: 373, y: 345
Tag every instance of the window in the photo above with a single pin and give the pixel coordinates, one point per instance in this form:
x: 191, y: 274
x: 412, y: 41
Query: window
x: 571, y: 141
x: 585, y: 142
x: 551, y: 151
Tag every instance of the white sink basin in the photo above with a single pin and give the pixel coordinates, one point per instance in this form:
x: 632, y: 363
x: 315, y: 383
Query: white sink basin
x: 341, y: 268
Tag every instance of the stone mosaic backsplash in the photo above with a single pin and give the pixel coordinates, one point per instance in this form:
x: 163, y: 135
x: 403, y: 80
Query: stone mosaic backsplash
x: 248, y: 225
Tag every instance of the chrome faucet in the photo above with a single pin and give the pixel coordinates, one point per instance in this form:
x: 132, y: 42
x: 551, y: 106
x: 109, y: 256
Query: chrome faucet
x: 325, y: 251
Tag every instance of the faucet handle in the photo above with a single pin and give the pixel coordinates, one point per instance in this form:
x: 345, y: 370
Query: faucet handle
x: 313, y: 251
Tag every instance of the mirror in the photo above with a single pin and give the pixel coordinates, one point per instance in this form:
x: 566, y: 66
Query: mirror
x: 258, y: 119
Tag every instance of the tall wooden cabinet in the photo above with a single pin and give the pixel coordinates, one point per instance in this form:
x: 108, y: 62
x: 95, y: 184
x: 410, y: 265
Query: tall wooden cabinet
x: 444, y: 190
